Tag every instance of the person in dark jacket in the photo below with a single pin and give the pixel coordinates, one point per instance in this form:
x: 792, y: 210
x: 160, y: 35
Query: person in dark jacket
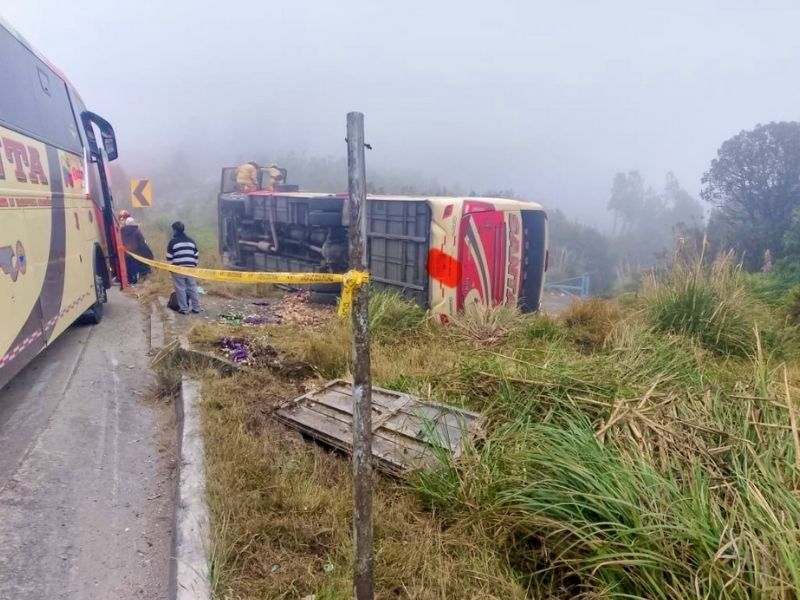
x: 182, y: 252
x: 134, y: 241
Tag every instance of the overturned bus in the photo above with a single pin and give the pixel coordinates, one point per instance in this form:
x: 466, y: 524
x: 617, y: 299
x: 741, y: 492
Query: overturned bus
x: 444, y: 253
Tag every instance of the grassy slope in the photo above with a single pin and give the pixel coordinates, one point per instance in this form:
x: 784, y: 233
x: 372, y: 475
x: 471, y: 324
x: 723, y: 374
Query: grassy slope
x: 648, y: 450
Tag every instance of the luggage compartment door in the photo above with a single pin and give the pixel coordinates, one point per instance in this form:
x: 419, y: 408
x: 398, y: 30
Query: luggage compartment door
x: 398, y: 236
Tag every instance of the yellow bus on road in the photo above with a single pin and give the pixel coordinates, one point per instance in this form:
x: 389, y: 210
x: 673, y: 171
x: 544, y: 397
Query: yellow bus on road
x: 59, y: 241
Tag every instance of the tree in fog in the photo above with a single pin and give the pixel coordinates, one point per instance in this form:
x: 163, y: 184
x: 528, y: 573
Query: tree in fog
x: 627, y: 199
x: 685, y: 211
x: 754, y: 185
x: 651, y: 221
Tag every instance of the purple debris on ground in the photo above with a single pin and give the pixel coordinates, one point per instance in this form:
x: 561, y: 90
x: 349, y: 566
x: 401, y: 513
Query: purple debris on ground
x: 254, y: 320
x: 237, y: 351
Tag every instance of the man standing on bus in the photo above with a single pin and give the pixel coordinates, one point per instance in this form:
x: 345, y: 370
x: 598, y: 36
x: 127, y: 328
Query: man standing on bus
x: 182, y: 252
x: 247, y: 177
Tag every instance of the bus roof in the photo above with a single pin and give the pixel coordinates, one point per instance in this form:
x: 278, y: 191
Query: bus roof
x: 503, y: 203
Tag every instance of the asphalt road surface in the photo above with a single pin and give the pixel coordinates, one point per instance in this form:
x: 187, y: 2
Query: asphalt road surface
x: 86, y: 467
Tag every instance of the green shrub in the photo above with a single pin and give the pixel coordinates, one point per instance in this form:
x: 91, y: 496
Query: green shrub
x: 540, y: 327
x: 710, y: 304
x: 392, y: 315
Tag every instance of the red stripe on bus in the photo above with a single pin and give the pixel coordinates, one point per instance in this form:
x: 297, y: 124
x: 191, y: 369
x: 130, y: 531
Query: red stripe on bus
x: 443, y: 268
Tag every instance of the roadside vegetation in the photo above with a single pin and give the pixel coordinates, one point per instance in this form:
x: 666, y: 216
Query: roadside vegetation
x: 645, y: 447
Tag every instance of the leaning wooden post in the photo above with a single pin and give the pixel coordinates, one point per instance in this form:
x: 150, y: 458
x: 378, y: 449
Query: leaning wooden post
x: 363, y: 563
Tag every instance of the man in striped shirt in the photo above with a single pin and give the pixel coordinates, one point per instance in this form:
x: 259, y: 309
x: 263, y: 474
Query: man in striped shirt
x: 182, y: 252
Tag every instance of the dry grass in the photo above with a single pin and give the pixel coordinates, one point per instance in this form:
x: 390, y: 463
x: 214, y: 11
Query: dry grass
x: 482, y: 326
x: 589, y: 322
x: 326, y: 347
x: 282, y: 515
x: 620, y: 461
x: 408, y: 362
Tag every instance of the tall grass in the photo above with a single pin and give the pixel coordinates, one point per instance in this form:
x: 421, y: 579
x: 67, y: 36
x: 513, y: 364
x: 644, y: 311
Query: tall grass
x: 641, y: 451
x: 643, y: 502
x: 708, y: 303
x: 392, y: 315
x: 657, y: 461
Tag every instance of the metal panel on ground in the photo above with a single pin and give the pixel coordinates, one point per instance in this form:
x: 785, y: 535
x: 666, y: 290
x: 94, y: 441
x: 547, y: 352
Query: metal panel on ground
x: 408, y: 432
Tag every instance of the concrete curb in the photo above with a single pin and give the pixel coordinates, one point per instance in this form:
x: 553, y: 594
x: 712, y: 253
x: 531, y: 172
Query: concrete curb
x: 190, y: 572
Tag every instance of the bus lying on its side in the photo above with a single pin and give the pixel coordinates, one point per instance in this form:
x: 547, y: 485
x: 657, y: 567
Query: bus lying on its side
x: 444, y: 253
x: 55, y: 206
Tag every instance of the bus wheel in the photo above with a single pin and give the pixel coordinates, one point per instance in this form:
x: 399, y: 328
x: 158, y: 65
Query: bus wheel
x: 326, y: 288
x: 325, y: 298
x: 95, y: 314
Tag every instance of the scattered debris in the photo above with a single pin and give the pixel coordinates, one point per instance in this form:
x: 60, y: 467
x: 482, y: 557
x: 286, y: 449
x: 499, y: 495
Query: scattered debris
x: 236, y: 319
x: 296, y: 309
x: 254, y: 352
x: 230, y: 318
x: 408, y: 432
x: 236, y: 350
x: 255, y: 320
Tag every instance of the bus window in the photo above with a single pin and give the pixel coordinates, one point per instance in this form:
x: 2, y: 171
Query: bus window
x: 40, y: 109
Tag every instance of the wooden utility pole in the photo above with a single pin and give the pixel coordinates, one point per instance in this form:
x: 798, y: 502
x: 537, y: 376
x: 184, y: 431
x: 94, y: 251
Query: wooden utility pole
x: 363, y: 558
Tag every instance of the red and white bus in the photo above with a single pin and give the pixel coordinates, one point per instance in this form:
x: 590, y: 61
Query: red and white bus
x: 56, y: 213
x: 445, y: 253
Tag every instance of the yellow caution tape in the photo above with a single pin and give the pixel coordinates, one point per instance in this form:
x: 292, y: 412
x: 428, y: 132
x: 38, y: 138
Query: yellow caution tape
x: 351, y: 281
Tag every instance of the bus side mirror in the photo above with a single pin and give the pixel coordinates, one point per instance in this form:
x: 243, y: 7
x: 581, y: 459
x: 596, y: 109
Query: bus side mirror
x: 106, y: 134
x: 109, y: 143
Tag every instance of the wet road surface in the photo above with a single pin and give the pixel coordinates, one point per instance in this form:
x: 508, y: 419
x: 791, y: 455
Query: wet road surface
x: 86, y: 468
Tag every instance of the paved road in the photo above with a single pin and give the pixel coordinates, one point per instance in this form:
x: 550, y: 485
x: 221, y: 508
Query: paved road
x: 555, y: 304
x: 86, y: 468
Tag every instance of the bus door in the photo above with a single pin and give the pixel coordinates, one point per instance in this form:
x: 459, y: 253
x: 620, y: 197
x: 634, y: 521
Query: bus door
x: 482, y: 254
x: 99, y: 155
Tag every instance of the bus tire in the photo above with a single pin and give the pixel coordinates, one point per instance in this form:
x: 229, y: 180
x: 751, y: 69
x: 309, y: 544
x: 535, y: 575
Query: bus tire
x: 95, y: 314
x: 326, y: 288
x: 324, y: 298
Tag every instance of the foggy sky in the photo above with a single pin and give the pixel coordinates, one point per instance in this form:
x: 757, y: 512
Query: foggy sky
x: 548, y: 100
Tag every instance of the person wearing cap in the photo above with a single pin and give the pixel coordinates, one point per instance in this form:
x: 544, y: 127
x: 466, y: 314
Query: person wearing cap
x: 122, y: 215
x: 182, y: 252
x: 134, y: 241
x: 247, y: 176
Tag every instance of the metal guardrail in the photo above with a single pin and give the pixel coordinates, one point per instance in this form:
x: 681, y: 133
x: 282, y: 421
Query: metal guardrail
x: 574, y: 286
